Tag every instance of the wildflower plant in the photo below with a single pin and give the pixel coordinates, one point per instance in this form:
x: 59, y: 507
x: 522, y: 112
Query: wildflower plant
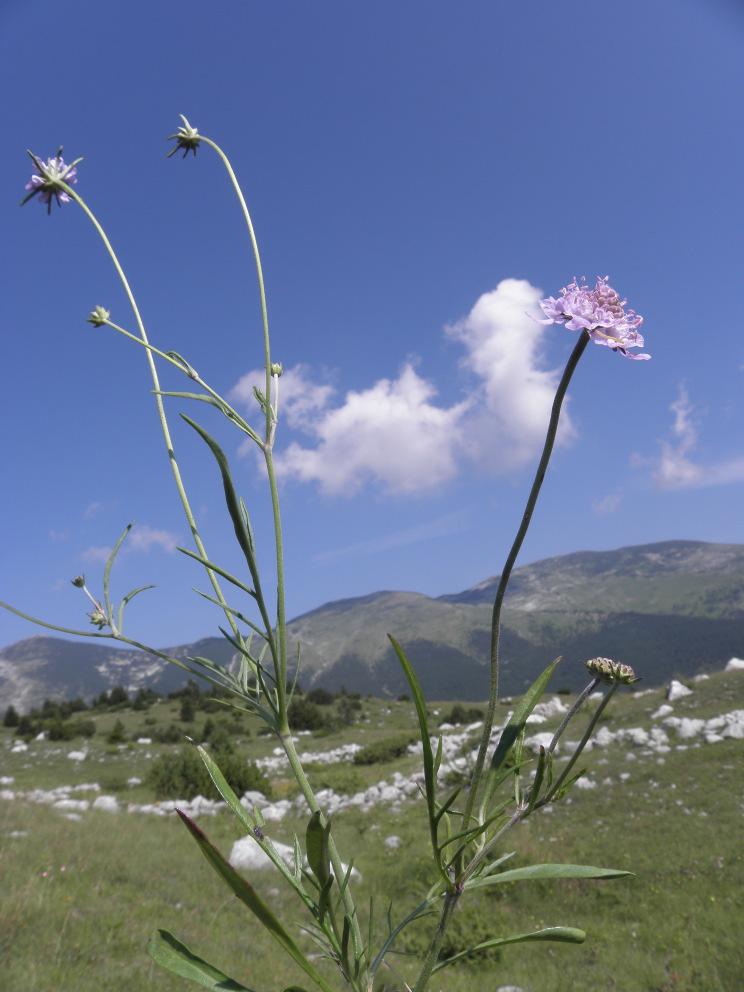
x: 467, y: 826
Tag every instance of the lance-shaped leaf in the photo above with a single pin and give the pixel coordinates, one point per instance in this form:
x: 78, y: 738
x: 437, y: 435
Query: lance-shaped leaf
x: 316, y: 839
x: 566, y: 935
x: 128, y: 599
x: 516, y: 725
x: 231, y: 498
x: 535, y: 872
x: 430, y: 777
x: 167, y: 951
x: 249, y: 897
x: 107, y: 570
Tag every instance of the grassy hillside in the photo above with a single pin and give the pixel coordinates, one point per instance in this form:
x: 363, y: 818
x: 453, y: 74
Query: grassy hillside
x: 81, y: 896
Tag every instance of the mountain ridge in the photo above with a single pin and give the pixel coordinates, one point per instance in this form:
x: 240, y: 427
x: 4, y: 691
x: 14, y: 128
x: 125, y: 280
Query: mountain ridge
x: 669, y: 608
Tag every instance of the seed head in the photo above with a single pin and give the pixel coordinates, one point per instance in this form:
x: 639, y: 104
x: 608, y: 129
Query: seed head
x: 98, y: 316
x: 611, y: 671
x: 186, y: 138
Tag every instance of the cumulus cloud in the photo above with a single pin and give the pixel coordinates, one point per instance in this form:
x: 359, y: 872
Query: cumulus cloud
x: 676, y: 467
x: 392, y: 434
x: 503, y: 349
x: 395, y: 434
x: 142, y: 538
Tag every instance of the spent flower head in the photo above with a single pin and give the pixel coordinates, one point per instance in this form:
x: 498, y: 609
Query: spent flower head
x: 78, y: 581
x: 47, y: 182
x: 600, y: 311
x: 98, y: 316
x: 611, y: 671
x: 186, y: 138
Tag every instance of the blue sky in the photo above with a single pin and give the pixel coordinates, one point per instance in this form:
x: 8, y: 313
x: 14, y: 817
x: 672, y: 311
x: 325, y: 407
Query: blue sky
x: 419, y: 174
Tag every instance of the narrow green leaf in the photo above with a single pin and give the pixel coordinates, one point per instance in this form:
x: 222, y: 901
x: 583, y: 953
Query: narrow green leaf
x: 438, y: 756
x: 220, y: 571
x: 231, y: 499
x: 547, y: 871
x: 516, y: 726
x: 128, y: 599
x: 565, y: 935
x: 420, y: 704
x: 249, y: 897
x: 167, y: 951
x: 316, y: 842
x: 107, y: 570
x: 537, y: 781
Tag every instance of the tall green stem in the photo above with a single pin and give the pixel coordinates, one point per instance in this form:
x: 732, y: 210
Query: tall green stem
x: 158, y: 402
x: 281, y: 619
x: 432, y: 955
x: 280, y: 661
x: 555, y: 414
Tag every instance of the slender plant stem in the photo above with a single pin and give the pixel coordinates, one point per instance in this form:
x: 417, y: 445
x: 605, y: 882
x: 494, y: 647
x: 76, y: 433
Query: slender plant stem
x: 234, y: 415
x: 158, y: 402
x: 432, y: 955
x: 280, y: 655
x: 506, y: 573
x: 578, y: 702
x: 582, y: 744
x: 281, y: 619
x: 338, y: 868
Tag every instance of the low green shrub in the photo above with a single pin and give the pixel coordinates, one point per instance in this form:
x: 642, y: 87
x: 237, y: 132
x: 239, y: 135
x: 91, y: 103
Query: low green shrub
x: 384, y: 750
x: 182, y: 775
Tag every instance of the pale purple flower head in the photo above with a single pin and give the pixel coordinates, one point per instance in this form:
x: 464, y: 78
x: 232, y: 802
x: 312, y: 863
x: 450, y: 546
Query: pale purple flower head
x: 600, y: 311
x: 45, y: 182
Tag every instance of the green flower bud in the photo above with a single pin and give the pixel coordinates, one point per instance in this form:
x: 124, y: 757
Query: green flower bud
x: 98, y: 618
x: 98, y: 316
x: 79, y: 581
x: 277, y: 369
x: 611, y: 671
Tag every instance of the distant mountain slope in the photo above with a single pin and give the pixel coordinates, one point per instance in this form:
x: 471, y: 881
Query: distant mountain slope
x: 672, y: 608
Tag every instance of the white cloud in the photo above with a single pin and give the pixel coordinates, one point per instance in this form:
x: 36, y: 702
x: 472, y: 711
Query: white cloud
x: 391, y: 434
x: 141, y: 538
x: 396, y: 435
x: 504, y: 348
x: 608, y: 504
x: 92, y: 509
x: 675, y: 467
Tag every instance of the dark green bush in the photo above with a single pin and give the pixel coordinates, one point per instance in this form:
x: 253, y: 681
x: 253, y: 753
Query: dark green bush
x: 182, y: 775
x: 11, y: 718
x: 168, y: 735
x: 304, y: 715
x: 321, y: 697
x: 117, y: 734
x: 385, y: 750
x: 463, y: 714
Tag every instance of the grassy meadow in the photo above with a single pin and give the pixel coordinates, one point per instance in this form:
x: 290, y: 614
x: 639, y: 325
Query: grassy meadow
x: 80, y: 897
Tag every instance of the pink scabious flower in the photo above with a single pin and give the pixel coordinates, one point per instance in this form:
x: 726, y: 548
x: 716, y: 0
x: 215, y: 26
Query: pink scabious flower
x: 45, y: 183
x: 600, y: 311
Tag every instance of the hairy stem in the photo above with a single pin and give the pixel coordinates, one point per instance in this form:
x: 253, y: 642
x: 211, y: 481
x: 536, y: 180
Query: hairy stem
x: 432, y: 955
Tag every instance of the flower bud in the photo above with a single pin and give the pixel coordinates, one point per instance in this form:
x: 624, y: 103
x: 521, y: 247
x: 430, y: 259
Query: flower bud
x: 78, y: 581
x: 277, y: 368
x: 611, y: 671
x: 98, y: 316
x: 98, y: 618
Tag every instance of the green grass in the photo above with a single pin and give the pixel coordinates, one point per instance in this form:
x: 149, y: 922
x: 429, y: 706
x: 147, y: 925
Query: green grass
x: 672, y: 928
